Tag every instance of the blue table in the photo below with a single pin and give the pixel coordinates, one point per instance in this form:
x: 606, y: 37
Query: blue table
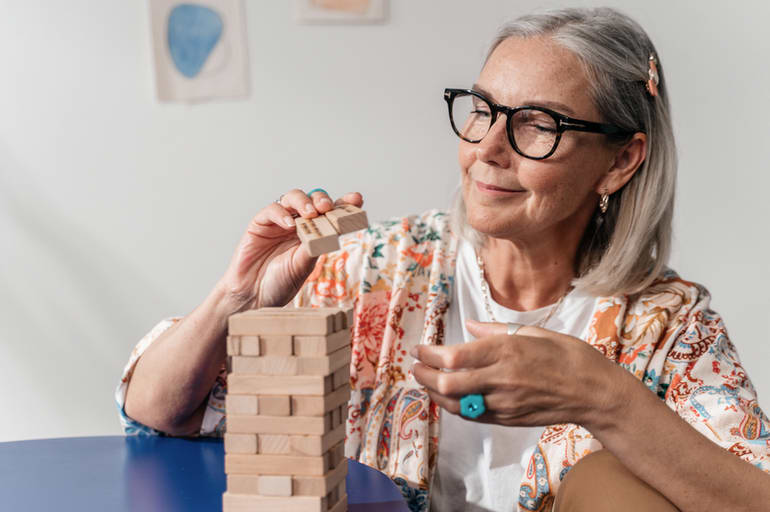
x: 143, y: 473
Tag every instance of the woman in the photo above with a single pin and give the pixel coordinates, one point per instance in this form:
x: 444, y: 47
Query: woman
x: 562, y: 225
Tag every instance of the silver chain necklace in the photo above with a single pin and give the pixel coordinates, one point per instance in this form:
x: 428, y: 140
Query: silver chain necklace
x: 488, y: 296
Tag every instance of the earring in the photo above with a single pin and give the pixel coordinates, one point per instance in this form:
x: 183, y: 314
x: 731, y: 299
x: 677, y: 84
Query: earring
x: 604, y: 203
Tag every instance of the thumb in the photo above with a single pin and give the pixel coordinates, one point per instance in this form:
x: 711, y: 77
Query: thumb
x: 485, y: 329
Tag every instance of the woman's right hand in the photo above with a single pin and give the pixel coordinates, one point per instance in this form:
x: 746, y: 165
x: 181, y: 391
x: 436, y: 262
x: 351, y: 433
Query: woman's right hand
x: 269, y: 266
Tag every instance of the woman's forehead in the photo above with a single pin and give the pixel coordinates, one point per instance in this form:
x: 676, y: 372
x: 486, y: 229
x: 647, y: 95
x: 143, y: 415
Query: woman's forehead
x: 536, y: 70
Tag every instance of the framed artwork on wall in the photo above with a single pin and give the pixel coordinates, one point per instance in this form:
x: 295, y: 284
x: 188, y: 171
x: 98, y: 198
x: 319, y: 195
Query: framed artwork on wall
x: 341, y: 11
x: 199, y: 49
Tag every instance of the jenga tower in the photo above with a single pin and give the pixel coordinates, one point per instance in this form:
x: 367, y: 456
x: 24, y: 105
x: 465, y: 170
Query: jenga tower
x: 287, y: 395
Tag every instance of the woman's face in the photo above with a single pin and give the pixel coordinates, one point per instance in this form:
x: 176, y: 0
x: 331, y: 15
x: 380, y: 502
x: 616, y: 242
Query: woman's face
x: 513, y: 197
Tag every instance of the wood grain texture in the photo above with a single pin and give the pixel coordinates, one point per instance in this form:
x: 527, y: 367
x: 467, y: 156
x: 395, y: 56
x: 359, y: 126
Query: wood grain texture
x: 312, y: 385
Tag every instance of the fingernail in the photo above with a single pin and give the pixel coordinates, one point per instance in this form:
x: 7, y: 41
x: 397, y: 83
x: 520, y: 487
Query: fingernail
x: 309, y: 208
x: 413, y: 352
x: 288, y: 221
x: 325, y: 200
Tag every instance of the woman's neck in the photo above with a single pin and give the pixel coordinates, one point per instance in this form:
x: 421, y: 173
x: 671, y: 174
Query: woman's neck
x: 529, y: 275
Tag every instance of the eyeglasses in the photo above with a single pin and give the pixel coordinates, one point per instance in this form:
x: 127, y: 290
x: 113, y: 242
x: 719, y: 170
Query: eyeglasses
x: 534, y: 132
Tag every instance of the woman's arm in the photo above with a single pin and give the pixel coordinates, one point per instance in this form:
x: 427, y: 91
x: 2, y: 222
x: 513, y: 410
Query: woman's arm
x: 662, y: 449
x: 170, y: 384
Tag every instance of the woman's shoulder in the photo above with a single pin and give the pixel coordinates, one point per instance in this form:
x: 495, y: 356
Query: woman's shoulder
x: 672, y: 293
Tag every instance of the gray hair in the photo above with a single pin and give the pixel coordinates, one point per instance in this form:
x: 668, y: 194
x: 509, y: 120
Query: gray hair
x: 627, y: 248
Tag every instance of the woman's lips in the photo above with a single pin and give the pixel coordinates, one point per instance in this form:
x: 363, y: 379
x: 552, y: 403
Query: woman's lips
x: 488, y: 188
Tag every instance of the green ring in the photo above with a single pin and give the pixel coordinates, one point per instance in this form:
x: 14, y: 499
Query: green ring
x: 472, y: 406
x: 317, y: 190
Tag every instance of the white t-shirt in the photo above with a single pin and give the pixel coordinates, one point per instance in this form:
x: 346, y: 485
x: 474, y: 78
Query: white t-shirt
x: 480, y: 466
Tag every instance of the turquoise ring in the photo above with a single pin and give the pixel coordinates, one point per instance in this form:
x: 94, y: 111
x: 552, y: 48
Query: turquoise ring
x: 472, y: 406
x: 317, y: 190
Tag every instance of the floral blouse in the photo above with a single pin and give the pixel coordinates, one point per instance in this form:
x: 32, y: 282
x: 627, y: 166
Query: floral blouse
x: 399, y: 275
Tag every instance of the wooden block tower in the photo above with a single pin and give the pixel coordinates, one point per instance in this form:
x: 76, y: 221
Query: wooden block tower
x: 287, y: 393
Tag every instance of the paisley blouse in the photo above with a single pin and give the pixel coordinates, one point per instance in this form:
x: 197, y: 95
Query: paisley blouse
x: 398, y: 275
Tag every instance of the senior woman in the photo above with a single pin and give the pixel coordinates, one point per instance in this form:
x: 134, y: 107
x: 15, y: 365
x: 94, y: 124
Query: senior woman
x: 530, y: 349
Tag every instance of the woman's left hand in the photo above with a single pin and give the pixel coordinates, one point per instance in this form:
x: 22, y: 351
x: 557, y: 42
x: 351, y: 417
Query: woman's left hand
x: 536, y: 377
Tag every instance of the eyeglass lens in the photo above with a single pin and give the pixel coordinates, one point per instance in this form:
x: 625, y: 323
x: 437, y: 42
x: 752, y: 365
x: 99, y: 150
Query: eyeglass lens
x: 534, y: 132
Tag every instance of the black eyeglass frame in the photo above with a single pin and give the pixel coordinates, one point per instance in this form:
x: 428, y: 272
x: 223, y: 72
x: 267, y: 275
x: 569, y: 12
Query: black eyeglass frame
x: 563, y: 123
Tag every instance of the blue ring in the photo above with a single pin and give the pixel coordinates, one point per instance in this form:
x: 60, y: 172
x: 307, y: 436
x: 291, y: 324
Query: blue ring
x: 317, y: 190
x: 472, y: 406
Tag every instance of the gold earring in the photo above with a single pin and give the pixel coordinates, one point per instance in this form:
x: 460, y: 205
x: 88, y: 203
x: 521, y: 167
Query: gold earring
x: 604, y: 202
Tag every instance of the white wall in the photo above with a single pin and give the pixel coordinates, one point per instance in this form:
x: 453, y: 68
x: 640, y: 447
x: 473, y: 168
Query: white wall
x: 116, y: 210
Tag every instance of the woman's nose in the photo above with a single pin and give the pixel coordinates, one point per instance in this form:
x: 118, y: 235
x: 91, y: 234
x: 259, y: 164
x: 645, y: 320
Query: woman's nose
x: 494, y: 148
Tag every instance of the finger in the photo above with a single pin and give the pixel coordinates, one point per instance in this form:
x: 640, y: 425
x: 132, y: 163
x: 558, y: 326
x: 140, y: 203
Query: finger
x: 485, y: 329
x: 474, y: 354
x: 354, y: 198
x: 273, y: 215
x: 450, y: 404
x: 321, y: 201
x: 457, y: 383
x: 297, y: 201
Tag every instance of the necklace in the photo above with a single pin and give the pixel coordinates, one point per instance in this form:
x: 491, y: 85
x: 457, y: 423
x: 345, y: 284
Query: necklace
x: 488, y: 297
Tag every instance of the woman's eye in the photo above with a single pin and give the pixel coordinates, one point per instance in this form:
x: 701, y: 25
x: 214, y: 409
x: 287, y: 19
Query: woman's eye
x: 480, y: 112
x: 548, y: 129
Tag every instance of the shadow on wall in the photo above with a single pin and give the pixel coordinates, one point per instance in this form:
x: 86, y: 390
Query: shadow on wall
x: 52, y: 272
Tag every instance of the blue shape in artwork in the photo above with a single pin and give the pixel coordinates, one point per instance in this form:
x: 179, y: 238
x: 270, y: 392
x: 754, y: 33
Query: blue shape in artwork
x: 193, y: 32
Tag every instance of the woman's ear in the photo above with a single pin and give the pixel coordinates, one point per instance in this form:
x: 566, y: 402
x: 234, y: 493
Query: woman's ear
x: 627, y: 161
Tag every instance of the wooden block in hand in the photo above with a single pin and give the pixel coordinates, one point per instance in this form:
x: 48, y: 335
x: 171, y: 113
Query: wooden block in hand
x: 241, y: 404
x: 285, y: 321
x: 347, y: 218
x: 317, y: 235
x: 240, y: 443
x: 274, y: 405
x: 313, y: 385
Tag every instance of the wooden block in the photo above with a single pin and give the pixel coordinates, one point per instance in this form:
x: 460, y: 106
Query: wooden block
x: 314, y: 385
x: 275, y: 485
x: 316, y: 445
x: 319, y: 405
x: 321, y: 345
x: 347, y: 218
x: 341, y: 378
x: 341, y: 506
x: 249, y: 346
x: 242, y: 424
x: 243, y: 484
x: 241, y: 404
x: 274, y: 405
x: 286, y: 321
x: 232, y: 502
x: 333, y: 497
x: 238, y: 464
x: 266, y: 365
x: 329, y: 420
x: 320, y: 485
x: 276, y: 365
x: 276, y: 345
x: 336, y: 418
x: 317, y: 235
x: 336, y: 455
x: 240, y: 443
x: 350, y: 314
x: 274, y: 444
x: 233, y: 345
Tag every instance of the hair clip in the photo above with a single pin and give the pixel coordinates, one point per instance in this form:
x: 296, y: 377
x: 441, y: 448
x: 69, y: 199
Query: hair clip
x: 654, y: 78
